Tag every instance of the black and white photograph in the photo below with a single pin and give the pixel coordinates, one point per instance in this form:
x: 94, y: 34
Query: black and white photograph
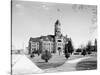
x: 49, y: 37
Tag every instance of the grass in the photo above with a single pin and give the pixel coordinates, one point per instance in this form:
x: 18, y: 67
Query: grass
x: 54, y: 62
x: 44, y: 65
x: 57, y: 61
x: 89, y: 64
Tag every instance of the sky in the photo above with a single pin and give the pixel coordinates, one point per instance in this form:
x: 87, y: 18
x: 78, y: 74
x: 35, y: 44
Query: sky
x: 33, y: 19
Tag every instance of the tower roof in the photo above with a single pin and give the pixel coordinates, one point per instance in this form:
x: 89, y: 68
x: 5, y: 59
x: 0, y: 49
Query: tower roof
x: 57, y: 22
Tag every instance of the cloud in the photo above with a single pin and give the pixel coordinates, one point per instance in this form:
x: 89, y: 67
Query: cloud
x: 45, y: 7
x: 19, y: 5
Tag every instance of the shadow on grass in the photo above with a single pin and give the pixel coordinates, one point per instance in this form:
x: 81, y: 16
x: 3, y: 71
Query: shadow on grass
x: 86, y: 65
x: 44, y: 65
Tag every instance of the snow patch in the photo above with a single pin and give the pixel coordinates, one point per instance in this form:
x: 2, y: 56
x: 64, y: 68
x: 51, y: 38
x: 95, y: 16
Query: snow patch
x: 25, y: 66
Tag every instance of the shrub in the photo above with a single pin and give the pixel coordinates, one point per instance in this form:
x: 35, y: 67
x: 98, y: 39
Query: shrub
x: 32, y: 55
x: 46, y: 55
x: 70, y: 46
x: 89, y: 52
x: 83, y: 52
x: 67, y: 55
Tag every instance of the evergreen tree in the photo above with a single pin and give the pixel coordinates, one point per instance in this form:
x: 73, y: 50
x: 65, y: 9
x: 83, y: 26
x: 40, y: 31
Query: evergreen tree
x: 67, y: 55
x: 88, y: 48
x: 83, y: 52
x: 46, y: 55
x: 95, y: 45
x: 70, y: 46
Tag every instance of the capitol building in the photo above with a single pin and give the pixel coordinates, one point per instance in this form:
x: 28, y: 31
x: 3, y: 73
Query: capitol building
x: 52, y: 43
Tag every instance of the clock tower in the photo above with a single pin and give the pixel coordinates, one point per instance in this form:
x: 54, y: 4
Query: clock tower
x: 59, y: 40
x: 57, y: 28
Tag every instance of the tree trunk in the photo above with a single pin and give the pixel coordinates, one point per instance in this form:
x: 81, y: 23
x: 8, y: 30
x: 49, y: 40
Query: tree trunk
x: 59, y: 52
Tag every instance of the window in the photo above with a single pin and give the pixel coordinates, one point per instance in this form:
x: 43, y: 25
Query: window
x: 59, y: 40
x: 59, y: 48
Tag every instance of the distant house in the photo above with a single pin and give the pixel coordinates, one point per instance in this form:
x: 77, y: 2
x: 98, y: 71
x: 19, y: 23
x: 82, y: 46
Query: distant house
x: 20, y: 51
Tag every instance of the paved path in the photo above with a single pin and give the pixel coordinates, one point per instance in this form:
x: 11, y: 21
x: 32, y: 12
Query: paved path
x: 77, y: 60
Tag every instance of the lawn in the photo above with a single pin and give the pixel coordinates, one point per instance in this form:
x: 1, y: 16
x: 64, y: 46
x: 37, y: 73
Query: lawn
x: 57, y: 61
x: 54, y: 62
x: 44, y: 65
x: 88, y: 64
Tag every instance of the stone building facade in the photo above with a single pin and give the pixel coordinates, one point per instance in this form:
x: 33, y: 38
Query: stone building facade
x: 53, y: 43
x: 34, y: 44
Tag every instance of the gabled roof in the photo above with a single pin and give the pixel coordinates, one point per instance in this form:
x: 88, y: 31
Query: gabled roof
x: 37, y: 39
x: 44, y: 38
x: 48, y: 38
x: 57, y: 22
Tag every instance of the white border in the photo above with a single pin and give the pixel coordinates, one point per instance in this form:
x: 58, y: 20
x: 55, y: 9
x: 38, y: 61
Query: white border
x: 5, y: 28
